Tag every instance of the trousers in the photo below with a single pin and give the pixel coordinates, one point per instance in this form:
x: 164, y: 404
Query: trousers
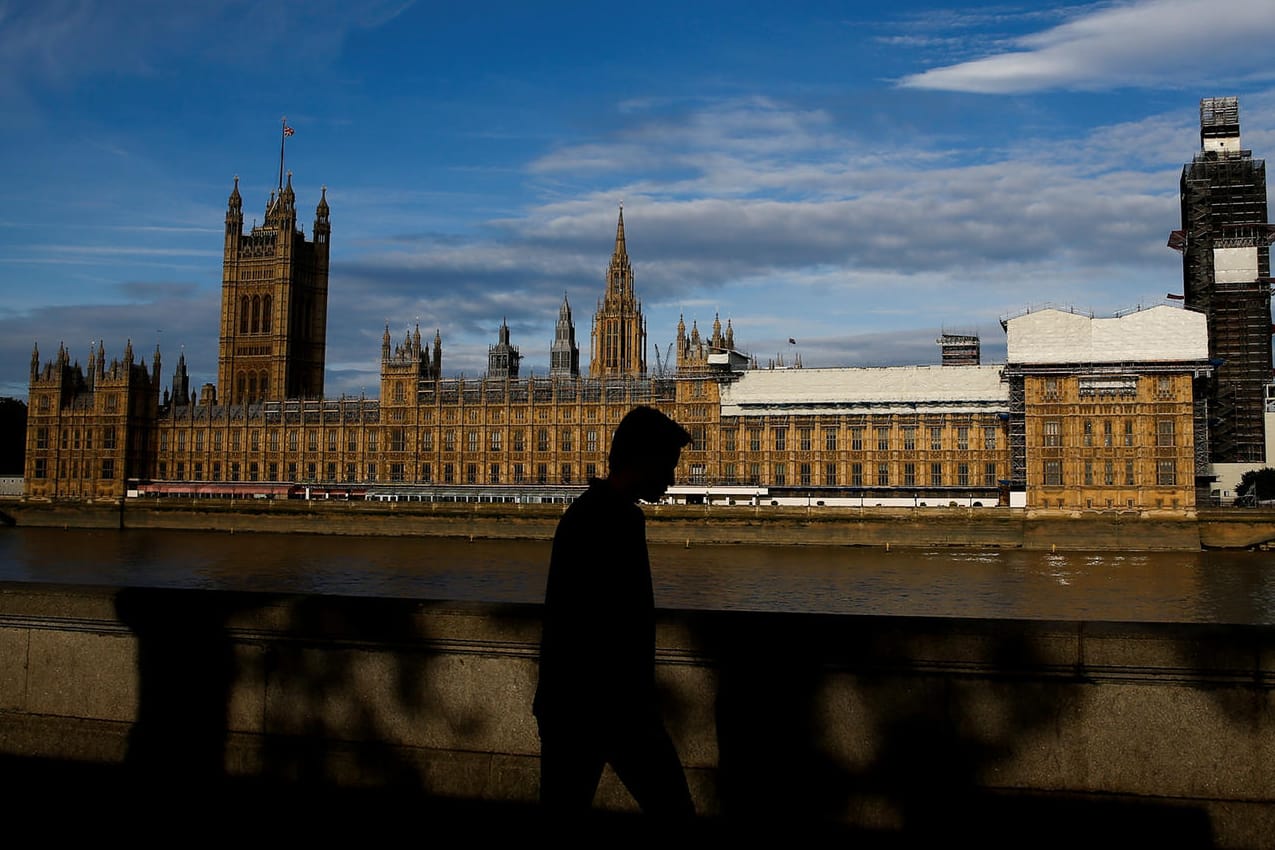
x: 640, y: 752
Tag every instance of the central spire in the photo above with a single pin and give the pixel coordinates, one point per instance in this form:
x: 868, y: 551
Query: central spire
x: 620, y: 250
x: 619, y: 331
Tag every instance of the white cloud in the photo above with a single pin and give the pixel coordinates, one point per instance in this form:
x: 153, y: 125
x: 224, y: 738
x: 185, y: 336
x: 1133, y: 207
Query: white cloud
x: 1143, y: 43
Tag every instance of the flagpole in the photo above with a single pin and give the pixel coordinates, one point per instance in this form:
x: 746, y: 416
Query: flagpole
x: 283, y: 134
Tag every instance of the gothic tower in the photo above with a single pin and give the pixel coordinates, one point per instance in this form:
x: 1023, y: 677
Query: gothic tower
x: 619, y: 331
x: 274, y: 303
x: 503, y: 358
x: 1225, y: 244
x: 564, y: 354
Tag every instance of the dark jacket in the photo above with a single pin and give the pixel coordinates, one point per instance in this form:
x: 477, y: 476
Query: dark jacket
x: 597, y: 650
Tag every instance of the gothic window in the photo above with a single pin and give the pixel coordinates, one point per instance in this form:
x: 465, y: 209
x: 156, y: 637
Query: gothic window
x: 244, y: 308
x: 963, y: 474
x: 252, y: 388
x: 830, y: 439
x: 1164, y: 433
x: 267, y: 305
x: 256, y: 314
x: 1053, y: 432
x: 963, y: 438
x: 1053, y: 473
x: 883, y: 439
x: 936, y: 438
x: 263, y: 385
x: 909, y: 439
x: 909, y: 475
x: 830, y: 474
x: 936, y: 475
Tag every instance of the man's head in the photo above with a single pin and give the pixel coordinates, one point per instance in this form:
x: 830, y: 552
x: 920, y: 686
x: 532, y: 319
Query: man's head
x: 645, y: 450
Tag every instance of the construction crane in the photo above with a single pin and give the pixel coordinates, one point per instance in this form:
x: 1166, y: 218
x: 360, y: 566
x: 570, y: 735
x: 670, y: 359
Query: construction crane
x: 662, y: 364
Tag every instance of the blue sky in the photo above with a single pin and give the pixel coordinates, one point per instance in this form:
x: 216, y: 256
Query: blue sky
x: 856, y: 176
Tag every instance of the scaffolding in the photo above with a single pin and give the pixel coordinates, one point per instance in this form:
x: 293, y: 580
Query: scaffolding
x: 960, y: 349
x: 1224, y: 207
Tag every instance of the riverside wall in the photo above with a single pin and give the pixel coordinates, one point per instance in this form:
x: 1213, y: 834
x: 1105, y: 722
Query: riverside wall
x: 913, y: 730
x: 717, y: 524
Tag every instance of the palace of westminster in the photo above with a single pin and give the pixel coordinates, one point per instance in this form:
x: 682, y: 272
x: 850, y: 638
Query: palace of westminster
x: 1138, y: 412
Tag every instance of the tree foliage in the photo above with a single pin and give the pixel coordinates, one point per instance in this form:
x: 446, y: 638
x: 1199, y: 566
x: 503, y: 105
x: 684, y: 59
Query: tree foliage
x: 1256, y: 485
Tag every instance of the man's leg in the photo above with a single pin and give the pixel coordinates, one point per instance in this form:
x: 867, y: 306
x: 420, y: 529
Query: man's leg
x: 570, y: 768
x: 646, y: 762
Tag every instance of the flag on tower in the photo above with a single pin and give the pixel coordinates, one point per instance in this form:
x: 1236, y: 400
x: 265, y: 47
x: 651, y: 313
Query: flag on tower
x: 288, y: 131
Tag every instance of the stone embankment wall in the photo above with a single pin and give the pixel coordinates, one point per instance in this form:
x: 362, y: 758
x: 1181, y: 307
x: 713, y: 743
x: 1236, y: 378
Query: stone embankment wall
x: 935, y: 730
x: 988, y: 527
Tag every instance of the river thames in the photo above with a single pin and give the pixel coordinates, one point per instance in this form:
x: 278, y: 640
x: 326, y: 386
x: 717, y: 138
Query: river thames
x: 1208, y: 587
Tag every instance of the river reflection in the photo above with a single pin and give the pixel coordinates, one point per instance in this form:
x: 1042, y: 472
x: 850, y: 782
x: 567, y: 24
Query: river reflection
x: 1217, y: 587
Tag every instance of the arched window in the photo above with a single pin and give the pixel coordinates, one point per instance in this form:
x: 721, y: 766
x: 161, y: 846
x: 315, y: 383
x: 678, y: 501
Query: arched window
x: 252, y: 388
x: 243, y: 315
x: 242, y: 391
x: 267, y: 306
x: 263, y: 384
x: 256, y: 314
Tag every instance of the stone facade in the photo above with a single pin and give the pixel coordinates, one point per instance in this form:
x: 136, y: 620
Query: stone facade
x: 1063, y: 421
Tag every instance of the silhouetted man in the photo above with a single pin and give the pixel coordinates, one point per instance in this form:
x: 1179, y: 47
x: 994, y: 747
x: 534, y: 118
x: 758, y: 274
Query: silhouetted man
x: 596, y: 700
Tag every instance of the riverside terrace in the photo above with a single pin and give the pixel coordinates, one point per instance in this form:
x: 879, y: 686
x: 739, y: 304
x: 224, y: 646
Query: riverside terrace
x: 254, y: 714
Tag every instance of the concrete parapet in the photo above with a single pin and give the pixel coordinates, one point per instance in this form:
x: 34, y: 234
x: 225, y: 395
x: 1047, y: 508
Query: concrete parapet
x: 894, y: 727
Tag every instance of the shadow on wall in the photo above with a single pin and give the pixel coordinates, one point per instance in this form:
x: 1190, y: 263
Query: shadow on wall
x: 820, y: 721
x: 314, y: 714
x: 815, y: 725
